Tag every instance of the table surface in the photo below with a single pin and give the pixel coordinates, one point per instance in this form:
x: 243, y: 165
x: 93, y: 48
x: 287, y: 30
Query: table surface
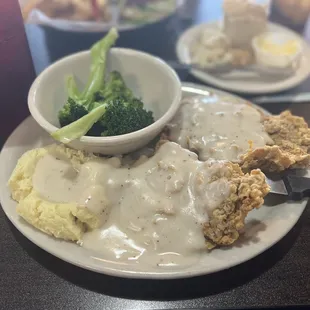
x: 30, y: 278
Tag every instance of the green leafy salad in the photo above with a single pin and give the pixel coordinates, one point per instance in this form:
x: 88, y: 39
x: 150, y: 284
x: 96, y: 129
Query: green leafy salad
x: 106, y: 107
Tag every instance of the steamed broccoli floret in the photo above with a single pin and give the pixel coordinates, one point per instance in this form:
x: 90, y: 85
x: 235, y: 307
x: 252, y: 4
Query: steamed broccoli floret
x: 71, y: 112
x: 80, y: 127
x: 111, y: 119
x: 115, y: 88
x: 121, y: 118
x: 78, y: 103
x: 74, y: 108
x: 102, y: 109
x: 136, y: 103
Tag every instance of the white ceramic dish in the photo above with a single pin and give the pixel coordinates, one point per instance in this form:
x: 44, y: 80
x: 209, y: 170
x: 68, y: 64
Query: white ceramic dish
x: 147, y: 76
x: 267, y: 58
x: 244, y: 82
x: 265, y: 226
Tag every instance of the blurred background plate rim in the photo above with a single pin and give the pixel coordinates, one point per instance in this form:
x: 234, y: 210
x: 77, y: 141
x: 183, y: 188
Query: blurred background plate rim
x: 301, y: 74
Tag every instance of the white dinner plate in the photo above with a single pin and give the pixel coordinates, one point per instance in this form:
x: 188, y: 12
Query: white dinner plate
x: 243, y: 82
x: 264, y: 227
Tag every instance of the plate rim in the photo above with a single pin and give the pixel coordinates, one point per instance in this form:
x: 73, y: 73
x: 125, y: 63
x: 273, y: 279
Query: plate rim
x: 164, y: 275
x: 220, y: 83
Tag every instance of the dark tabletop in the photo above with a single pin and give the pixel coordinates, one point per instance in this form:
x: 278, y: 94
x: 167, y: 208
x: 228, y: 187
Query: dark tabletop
x: 30, y: 278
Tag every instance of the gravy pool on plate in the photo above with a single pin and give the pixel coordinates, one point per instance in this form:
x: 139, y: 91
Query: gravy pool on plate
x: 161, y: 212
x: 153, y: 212
x: 218, y: 129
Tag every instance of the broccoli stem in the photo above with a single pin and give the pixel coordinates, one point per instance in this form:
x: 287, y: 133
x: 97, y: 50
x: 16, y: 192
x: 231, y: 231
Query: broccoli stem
x: 116, y: 86
x: 80, y: 127
x: 72, y: 88
x: 99, y: 53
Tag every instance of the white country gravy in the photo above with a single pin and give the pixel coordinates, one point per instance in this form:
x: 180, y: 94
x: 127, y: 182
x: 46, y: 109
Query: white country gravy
x: 151, y: 213
x: 218, y: 129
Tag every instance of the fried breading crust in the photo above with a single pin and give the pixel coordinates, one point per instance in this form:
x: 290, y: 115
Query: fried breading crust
x: 291, y: 148
x: 247, y: 193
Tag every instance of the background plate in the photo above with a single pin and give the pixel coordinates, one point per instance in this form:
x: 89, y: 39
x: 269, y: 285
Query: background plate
x: 239, y: 81
x: 38, y: 17
x: 264, y: 227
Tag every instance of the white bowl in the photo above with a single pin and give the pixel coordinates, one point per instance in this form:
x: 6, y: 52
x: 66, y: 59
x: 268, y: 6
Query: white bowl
x: 147, y: 76
x: 281, y: 61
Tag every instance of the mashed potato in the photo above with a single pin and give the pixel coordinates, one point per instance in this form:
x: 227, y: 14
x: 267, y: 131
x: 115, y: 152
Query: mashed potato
x: 63, y: 220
